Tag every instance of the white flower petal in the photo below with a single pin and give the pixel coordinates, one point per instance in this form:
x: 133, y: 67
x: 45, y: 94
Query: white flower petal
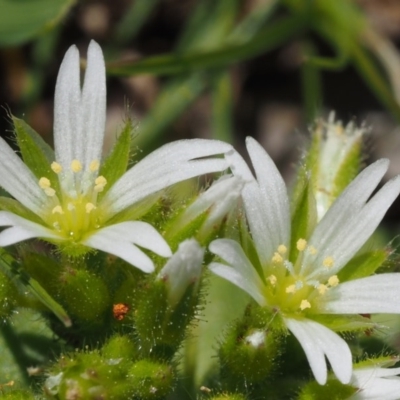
x: 239, y: 280
x: 139, y: 233
x: 257, y: 212
x: 182, y: 269
x: 244, y: 275
x: 19, y: 181
x: 317, y: 342
x: 89, y: 143
x: 21, y: 229
x: 376, y: 383
x: 343, y: 216
x: 164, y: 167
x: 374, y: 294
x: 274, y: 191
x: 67, y: 108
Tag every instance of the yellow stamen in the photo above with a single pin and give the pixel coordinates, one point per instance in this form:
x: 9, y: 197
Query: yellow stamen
x: 57, y: 210
x: 94, y: 166
x: 304, y: 304
x: 277, y: 258
x: 272, y: 280
x: 291, y: 289
x: 89, y: 207
x: 282, y: 249
x: 50, y: 192
x: 333, y: 281
x: 44, y: 183
x: 100, y: 182
x: 76, y: 166
x: 56, y: 167
x: 301, y: 244
x: 312, y: 250
x: 322, y: 288
x: 328, y: 262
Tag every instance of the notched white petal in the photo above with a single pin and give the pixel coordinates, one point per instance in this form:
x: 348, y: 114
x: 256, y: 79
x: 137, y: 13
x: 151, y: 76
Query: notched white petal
x: 90, y: 144
x: 317, y: 342
x: 170, y: 164
x: 21, y: 229
x: 67, y: 108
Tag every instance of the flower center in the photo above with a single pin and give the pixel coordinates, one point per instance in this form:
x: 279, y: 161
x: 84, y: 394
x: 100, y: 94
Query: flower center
x: 290, y: 291
x: 72, y: 209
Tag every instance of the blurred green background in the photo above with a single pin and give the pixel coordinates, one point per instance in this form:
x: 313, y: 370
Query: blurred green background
x: 201, y: 68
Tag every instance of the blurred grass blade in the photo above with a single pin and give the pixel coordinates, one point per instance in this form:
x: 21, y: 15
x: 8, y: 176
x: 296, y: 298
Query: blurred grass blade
x: 174, y: 99
x: 373, y: 78
x: 222, y: 106
x: 14, y: 270
x: 133, y: 20
x: 270, y: 37
x: 311, y: 85
x: 23, y: 20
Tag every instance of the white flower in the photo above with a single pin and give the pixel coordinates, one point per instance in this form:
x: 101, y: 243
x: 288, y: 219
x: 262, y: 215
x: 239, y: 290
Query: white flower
x: 182, y: 270
x: 375, y: 383
x: 300, y: 289
x: 66, y: 206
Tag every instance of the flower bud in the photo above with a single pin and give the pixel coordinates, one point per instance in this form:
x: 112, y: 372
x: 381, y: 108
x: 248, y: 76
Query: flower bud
x: 182, y: 270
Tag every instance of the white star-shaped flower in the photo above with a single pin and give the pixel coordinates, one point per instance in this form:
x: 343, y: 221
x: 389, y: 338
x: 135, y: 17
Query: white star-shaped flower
x: 74, y: 205
x: 308, y: 286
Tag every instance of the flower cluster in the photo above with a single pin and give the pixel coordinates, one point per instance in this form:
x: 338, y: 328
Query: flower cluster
x: 302, y: 266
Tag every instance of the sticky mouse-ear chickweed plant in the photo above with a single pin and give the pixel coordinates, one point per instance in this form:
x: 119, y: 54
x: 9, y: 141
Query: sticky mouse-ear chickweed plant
x: 102, y: 268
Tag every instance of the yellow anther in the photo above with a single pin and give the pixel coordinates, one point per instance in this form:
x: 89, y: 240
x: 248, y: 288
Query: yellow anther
x: 49, y: 192
x: 100, y: 182
x: 94, y: 165
x: 301, y: 244
x: 277, y: 258
x: 322, y: 288
x: 89, y: 207
x: 56, y: 167
x: 57, y: 210
x: 282, y: 249
x: 312, y: 250
x: 333, y: 281
x: 291, y: 289
x: 44, y: 183
x: 328, y: 262
x: 272, y: 280
x: 304, y: 304
x: 76, y: 166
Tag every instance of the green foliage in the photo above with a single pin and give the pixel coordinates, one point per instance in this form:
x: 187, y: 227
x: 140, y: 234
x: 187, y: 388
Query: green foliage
x: 331, y: 390
x: 23, y: 20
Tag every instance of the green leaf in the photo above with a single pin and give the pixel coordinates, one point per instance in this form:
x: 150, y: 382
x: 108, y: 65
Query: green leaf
x: 22, y: 20
x: 345, y: 323
x: 304, y: 216
x: 36, y: 153
x: 13, y: 269
x: 269, y: 38
x: 116, y: 163
x: 363, y: 265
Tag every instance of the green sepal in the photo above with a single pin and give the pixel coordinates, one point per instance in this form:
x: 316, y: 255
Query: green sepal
x: 85, y: 296
x: 36, y: 153
x: 332, y: 390
x: 116, y: 163
x: 348, y: 169
x: 150, y: 380
x: 378, y: 362
x: 304, y: 216
x: 160, y: 327
x: 15, y: 207
x: 14, y: 270
x: 345, y: 323
x: 363, y: 265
